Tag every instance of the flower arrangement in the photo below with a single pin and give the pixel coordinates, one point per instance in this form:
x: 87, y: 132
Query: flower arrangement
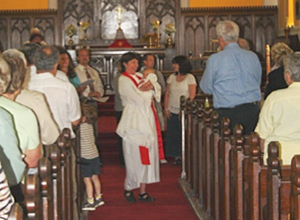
x: 169, y: 28
x: 85, y: 25
x: 71, y: 30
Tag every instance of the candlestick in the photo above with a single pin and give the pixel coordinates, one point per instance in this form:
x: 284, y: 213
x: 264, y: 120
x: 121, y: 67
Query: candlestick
x: 268, y: 61
x: 291, y: 14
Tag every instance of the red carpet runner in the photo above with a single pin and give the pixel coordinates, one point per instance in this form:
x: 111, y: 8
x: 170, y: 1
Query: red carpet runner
x: 170, y: 204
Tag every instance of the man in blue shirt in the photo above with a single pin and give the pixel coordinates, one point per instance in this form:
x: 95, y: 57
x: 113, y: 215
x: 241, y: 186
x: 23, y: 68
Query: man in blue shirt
x: 233, y: 77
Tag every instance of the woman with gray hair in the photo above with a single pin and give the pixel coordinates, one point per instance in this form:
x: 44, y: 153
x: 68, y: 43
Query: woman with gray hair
x: 275, y: 78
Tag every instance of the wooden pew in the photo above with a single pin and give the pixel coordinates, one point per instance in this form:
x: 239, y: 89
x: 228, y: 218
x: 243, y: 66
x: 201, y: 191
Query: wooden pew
x: 66, y: 174
x: 46, y: 188
x: 16, y: 212
x: 214, y: 143
x: 207, y: 160
x: 295, y: 191
x: 48, y: 194
x: 233, y: 182
x: 236, y: 173
x: 224, y: 170
x: 54, y: 154
x: 32, y: 196
x: 188, y: 146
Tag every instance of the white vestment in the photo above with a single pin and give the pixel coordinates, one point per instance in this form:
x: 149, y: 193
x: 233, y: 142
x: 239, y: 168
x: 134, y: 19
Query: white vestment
x: 137, y: 128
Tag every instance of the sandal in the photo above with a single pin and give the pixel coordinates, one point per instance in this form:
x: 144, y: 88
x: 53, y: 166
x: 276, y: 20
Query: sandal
x: 129, y: 196
x: 146, y: 198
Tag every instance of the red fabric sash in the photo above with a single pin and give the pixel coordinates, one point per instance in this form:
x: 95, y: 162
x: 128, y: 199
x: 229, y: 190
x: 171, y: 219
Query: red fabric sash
x: 157, y: 125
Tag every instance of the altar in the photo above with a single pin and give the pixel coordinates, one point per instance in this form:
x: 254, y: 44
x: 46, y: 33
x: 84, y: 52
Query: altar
x: 106, y: 61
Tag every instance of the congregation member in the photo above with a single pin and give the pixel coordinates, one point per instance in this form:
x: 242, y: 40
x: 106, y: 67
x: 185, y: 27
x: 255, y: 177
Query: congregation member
x: 243, y: 43
x: 61, y: 97
x: 36, y: 37
x: 66, y: 65
x: 6, y: 199
x: 233, y: 77
x: 180, y: 83
x: 25, y: 122
x: 149, y: 63
x: 93, y: 90
x: 138, y: 130
x: 28, y: 50
x: 85, y: 72
x: 10, y: 156
x: 279, y: 118
x: 36, y: 101
x: 276, y: 77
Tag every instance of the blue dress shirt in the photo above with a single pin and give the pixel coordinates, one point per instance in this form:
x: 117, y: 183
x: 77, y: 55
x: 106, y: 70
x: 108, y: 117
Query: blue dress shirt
x: 232, y: 76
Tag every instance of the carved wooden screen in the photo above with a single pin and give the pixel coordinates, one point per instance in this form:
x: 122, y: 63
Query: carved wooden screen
x: 15, y: 26
x: 257, y: 24
x: 136, y: 17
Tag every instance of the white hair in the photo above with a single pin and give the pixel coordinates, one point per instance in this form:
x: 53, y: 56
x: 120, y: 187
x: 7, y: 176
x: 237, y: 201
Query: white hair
x: 228, y: 30
x: 13, y: 53
x: 292, y: 66
x: 5, y: 75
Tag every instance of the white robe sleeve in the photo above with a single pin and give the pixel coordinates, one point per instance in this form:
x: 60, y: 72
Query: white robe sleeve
x: 135, y: 122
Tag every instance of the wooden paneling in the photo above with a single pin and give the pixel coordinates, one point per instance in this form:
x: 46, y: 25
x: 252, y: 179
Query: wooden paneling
x: 15, y: 26
x: 257, y: 24
x: 195, y: 26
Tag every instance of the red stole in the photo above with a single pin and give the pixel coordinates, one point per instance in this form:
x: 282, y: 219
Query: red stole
x: 157, y: 126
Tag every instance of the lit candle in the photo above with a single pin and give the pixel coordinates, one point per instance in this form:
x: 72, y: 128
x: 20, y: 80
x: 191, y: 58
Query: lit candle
x: 291, y: 13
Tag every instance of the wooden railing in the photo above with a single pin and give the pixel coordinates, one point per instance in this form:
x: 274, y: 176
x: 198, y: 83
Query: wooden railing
x: 225, y: 174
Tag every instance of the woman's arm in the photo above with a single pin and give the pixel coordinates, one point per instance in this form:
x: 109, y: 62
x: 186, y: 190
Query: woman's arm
x: 192, y: 91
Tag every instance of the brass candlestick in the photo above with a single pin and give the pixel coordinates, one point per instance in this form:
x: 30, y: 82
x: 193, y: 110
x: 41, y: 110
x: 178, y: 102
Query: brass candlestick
x: 287, y: 33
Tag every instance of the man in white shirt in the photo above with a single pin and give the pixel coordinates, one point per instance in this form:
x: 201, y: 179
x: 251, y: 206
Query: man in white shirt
x: 279, y: 117
x: 61, y: 96
x: 85, y: 71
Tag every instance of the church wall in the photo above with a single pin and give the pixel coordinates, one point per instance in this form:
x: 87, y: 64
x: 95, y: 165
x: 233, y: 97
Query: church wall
x: 222, y: 3
x: 21, y: 4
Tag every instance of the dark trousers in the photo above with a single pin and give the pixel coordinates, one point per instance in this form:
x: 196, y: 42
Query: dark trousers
x: 173, y: 136
x: 245, y: 114
x: 118, y: 115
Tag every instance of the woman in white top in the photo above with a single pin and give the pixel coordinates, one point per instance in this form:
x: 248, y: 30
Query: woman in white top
x: 179, y: 83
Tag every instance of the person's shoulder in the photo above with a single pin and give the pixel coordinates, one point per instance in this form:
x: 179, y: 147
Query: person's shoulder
x: 275, y: 72
x: 78, y: 68
x: 4, y: 115
x: 172, y: 76
x: 61, y: 75
x: 19, y: 109
x: 93, y: 69
x: 279, y: 95
x: 30, y: 94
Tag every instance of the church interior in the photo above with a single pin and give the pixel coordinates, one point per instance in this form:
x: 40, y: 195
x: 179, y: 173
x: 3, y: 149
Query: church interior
x: 211, y: 186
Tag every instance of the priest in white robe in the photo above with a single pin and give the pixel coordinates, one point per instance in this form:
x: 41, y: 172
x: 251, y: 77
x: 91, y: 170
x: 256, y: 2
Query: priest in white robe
x: 138, y: 129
